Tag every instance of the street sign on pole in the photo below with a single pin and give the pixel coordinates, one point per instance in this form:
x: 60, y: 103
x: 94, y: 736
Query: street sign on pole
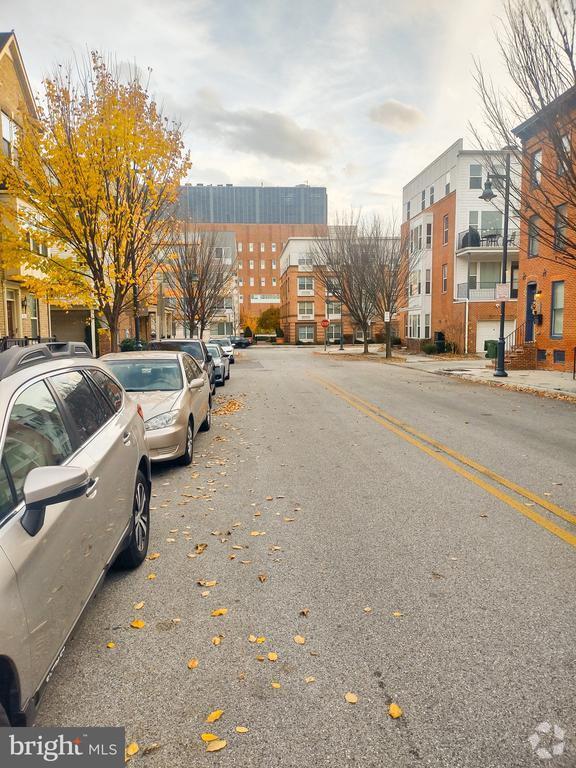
x: 325, y: 323
x: 387, y: 317
x: 502, y: 291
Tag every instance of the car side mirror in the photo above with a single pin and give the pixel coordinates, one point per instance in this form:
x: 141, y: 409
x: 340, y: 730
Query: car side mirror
x: 196, y: 383
x: 208, y: 358
x: 45, y: 486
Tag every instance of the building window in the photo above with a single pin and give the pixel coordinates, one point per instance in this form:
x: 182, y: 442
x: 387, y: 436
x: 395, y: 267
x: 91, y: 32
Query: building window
x: 9, y: 129
x: 414, y: 326
x: 334, y: 332
x: 557, y: 318
x: 431, y: 195
x: 262, y: 264
x: 305, y: 284
x: 305, y: 310
x: 273, y: 263
x: 240, y: 282
x: 565, y: 156
x: 536, y: 168
x: 415, y: 286
x: 514, y: 280
x: 241, y: 299
x: 560, y: 227
x: 333, y: 309
x: 239, y: 247
x: 559, y: 356
x: 251, y: 281
x: 428, y: 282
x: 262, y: 282
x: 274, y: 282
x: 306, y: 333
x: 444, y: 278
x: 273, y: 247
x: 239, y: 262
x: 533, y: 240
x: 262, y: 247
x: 541, y: 355
x: 447, y: 187
x: 429, y: 235
x: 408, y: 211
x: 251, y: 247
x: 251, y: 264
x: 426, y: 326
x: 445, y: 226
x: 475, y: 176
x: 423, y: 199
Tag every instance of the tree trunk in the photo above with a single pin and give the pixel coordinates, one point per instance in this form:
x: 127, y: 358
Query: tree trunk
x: 365, y: 334
x: 388, y: 339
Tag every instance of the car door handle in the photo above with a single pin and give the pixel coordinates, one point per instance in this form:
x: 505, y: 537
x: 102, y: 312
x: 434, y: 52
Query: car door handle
x: 126, y: 437
x: 92, y: 488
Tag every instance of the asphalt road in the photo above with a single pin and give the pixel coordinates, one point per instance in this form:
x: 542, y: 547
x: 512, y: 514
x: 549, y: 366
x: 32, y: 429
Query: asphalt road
x: 471, y: 592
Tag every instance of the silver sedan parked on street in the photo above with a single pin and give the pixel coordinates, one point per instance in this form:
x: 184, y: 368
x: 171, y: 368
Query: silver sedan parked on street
x: 221, y: 363
x: 174, y: 393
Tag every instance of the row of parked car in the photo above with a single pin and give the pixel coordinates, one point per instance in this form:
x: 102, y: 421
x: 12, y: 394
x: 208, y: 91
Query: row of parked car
x: 77, y: 441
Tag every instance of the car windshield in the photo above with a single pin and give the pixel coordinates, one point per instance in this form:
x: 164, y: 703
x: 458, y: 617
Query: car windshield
x: 222, y: 341
x: 193, y: 348
x: 147, y: 375
x: 215, y: 350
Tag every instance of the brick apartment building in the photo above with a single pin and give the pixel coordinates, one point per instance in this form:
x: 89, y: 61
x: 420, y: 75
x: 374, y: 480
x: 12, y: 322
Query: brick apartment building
x: 456, y: 251
x: 547, y: 264
x: 21, y: 313
x: 262, y: 220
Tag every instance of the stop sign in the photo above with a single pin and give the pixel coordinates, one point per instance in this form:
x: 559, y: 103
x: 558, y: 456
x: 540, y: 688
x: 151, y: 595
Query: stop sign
x: 325, y: 323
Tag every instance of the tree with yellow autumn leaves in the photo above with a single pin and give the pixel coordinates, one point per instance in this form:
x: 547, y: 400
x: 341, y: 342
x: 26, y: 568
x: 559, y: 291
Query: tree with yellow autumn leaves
x: 97, y: 177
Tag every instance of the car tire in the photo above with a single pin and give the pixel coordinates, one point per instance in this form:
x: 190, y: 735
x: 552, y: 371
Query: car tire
x: 188, y: 455
x: 228, y: 375
x: 207, y: 423
x: 135, y: 552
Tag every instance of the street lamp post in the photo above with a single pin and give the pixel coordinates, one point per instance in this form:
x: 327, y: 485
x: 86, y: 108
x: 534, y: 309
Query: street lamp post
x: 488, y: 195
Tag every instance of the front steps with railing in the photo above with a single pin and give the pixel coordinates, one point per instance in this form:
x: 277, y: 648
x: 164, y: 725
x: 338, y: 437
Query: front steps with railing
x: 519, y: 354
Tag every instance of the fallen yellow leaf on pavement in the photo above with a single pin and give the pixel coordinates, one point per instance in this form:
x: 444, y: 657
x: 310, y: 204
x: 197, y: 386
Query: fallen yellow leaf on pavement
x: 260, y: 640
x: 351, y: 698
x: 132, y: 749
x: 216, y: 715
x: 153, y: 556
x: 272, y: 656
x: 138, y: 606
x: 310, y: 679
x: 110, y: 645
x: 276, y: 685
x: 199, y: 548
x: 219, y: 612
x: 193, y: 663
x: 395, y: 711
x: 151, y: 576
x: 241, y: 729
x: 262, y: 578
x: 397, y: 614
x: 216, y: 746
x: 299, y: 640
x: 252, y: 638
x: 209, y: 737
x: 137, y: 624
x: 217, y: 639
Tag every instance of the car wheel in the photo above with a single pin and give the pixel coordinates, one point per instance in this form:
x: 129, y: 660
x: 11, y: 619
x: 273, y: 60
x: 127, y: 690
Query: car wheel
x: 228, y: 374
x: 207, y: 423
x: 135, y: 552
x: 186, y: 458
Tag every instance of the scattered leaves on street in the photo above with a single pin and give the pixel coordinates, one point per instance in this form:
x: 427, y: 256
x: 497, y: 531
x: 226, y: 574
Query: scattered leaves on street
x: 276, y: 685
x: 151, y: 576
x: 199, y: 548
x: 219, y: 612
x: 110, y: 645
x: 262, y: 578
x: 351, y: 698
x: 395, y: 711
x: 193, y: 663
x: 138, y: 606
x: 367, y: 609
x: 310, y: 679
x: 251, y: 638
x: 208, y: 737
x: 132, y: 749
x: 217, y: 639
x: 241, y: 729
x: 304, y: 612
x: 272, y: 656
x: 397, y: 614
x: 299, y: 640
x: 153, y: 556
x: 206, y: 583
x: 151, y: 748
x: 215, y: 715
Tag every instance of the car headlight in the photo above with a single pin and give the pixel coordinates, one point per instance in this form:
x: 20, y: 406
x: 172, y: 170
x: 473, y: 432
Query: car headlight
x: 161, y: 421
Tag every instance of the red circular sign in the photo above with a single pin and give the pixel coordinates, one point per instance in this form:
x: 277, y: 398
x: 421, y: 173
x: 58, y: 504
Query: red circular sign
x: 325, y: 323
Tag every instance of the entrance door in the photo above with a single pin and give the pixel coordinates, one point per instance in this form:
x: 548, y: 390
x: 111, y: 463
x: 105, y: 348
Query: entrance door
x: 11, y: 314
x: 530, y: 294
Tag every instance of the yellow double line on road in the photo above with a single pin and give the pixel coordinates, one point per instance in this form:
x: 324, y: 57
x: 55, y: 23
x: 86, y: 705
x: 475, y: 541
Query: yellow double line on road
x: 441, y: 452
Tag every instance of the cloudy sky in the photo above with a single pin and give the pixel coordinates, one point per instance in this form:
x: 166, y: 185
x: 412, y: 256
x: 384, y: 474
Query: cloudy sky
x: 357, y: 96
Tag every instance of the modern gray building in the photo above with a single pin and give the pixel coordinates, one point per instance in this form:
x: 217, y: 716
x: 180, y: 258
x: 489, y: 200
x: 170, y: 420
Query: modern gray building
x: 228, y: 204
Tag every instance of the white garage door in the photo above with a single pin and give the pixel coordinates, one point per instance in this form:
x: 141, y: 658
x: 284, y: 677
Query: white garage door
x: 490, y: 329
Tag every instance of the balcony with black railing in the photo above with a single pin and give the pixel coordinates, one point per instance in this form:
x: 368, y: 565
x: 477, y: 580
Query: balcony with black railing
x: 480, y: 291
x: 476, y: 237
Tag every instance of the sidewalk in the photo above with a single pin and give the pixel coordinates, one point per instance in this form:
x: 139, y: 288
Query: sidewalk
x: 478, y: 370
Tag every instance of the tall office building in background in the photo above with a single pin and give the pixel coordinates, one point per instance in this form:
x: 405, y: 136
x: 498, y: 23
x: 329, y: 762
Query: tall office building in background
x: 227, y: 204
x: 262, y: 219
